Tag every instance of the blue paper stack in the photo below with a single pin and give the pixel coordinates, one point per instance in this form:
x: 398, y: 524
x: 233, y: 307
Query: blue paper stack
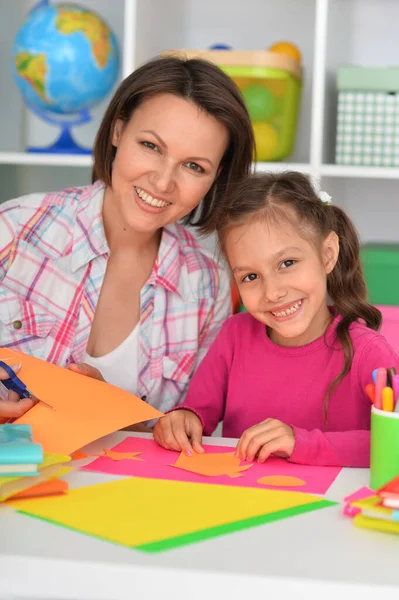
x: 19, y: 455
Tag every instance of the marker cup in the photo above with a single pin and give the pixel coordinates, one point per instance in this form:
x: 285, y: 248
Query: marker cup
x: 384, y: 456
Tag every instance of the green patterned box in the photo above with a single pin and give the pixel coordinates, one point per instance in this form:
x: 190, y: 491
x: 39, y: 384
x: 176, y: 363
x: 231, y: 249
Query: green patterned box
x: 368, y: 116
x: 380, y: 264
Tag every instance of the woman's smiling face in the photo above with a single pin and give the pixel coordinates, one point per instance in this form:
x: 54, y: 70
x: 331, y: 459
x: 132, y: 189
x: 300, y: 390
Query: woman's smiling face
x: 167, y: 157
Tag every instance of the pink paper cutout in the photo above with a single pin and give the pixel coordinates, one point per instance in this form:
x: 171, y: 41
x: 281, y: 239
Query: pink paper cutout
x: 156, y: 465
x: 352, y: 511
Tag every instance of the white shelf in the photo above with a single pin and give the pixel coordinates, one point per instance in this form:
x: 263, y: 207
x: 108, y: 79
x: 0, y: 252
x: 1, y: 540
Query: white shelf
x: 263, y: 167
x: 46, y: 160
x: 362, y: 172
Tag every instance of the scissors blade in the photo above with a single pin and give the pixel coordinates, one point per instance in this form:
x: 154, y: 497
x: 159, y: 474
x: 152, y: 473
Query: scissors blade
x: 36, y: 399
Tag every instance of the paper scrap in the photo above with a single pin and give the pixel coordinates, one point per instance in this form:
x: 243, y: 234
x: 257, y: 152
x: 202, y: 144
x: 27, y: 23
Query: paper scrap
x: 190, y: 512
x: 351, y: 511
x: 85, y: 408
x: 46, y: 488
x: 157, y: 463
x: 78, y: 455
x: 211, y: 464
x: 281, y: 481
x: 119, y: 455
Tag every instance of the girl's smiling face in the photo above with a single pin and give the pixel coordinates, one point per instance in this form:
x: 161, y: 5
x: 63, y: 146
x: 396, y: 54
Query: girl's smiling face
x: 167, y: 157
x: 282, y: 278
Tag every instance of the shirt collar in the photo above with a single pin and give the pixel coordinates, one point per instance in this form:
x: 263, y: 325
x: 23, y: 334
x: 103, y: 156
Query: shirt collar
x: 89, y: 239
x: 168, y: 271
x: 89, y: 242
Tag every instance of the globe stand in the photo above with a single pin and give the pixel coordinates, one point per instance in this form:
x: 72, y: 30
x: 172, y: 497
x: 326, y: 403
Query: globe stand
x: 65, y: 144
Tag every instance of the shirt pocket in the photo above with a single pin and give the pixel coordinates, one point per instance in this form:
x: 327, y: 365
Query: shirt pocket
x: 24, y: 326
x: 179, y: 366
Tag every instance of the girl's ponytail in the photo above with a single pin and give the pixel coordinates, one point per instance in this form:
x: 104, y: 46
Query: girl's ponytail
x: 347, y: 288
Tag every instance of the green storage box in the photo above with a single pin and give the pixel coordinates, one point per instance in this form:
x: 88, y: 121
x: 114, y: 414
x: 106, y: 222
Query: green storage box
x: 271, y: 87
x: 381, y: 270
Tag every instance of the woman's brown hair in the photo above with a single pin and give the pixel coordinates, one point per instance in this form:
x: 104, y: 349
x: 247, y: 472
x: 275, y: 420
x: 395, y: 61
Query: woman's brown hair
x: 267, y: 197
x: 207, y: 87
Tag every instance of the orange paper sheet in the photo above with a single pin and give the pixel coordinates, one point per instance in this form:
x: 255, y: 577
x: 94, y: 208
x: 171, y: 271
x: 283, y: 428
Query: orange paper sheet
x: 85, y: 409
x: 281, y: 481
x: 46, y: 488
x: 211, y: 464
x: 119, y: 455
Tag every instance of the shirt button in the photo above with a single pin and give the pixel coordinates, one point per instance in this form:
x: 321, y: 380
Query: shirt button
x: 144, y: 398
x: 17, y: 324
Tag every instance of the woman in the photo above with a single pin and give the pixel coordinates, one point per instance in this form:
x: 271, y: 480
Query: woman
x: 104, y: 274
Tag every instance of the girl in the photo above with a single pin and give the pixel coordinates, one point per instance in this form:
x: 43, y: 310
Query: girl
x: 288, y: 377
x: 106, y: 274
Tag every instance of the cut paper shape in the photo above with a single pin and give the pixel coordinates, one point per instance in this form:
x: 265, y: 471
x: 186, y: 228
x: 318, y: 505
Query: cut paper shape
x: 211, y: 464
x: 281, y: 481
x: 190, y: 512
x: 157, y: 463
x: 78, y: 455
x: 52, y: 466
x: 85, y: 409
x: 46, y: 488
x: 352, y: 511
x: 119, y: 455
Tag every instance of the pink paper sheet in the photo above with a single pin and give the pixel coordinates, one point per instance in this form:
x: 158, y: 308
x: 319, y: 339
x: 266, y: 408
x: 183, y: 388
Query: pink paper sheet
x: 156, y: 465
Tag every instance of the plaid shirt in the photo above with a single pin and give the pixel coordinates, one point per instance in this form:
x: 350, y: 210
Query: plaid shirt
x: 53, y: 257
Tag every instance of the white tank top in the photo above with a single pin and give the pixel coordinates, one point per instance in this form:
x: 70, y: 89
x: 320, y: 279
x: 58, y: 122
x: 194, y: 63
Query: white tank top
x: 120, y: 367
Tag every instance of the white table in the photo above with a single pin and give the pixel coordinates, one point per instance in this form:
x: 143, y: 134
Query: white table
x: 318, y: 555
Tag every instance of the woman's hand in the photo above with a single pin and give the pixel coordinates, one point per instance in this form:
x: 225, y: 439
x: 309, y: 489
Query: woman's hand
x: 13, y: 407
x: 180, y: 430
x: 85, y: 369
x: 268, y: 437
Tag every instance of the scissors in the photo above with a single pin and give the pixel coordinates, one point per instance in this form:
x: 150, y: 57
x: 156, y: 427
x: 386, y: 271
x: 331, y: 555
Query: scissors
x: 15, y: 384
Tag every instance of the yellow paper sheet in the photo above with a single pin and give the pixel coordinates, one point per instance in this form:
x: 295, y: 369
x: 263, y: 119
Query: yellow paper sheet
x: 139, y: 511
x: 86, y: 409
x: 376, y: 524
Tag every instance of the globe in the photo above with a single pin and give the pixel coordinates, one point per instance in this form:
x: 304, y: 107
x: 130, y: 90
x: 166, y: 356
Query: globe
x: 65, y: 60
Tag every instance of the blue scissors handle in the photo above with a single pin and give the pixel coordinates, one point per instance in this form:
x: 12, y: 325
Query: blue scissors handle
x: 14, y: 383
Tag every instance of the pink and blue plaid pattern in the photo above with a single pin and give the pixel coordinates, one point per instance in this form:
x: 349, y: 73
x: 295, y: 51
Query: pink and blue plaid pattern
x: 53, y: 256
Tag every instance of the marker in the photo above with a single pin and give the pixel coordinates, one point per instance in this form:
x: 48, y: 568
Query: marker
x: 374, y: 375
x: 381, y: 382
x: 390, y: 374
x: 370, y: 391
x: 387, y: 399
x: 395, y: 386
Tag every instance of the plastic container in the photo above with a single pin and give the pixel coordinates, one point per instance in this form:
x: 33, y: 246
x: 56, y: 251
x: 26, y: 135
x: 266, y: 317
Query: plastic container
x: 381, y: 270
x: 384, y: 456
x: 368, y: 116
x: 271, y: 86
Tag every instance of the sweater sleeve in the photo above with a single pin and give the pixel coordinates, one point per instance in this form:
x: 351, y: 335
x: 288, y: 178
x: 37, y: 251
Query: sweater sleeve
x: 206, y: 395
x: 346, y: 448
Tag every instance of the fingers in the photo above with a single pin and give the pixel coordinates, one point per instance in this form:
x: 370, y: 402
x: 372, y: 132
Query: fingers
x: 5, y: 375
x: 14, y: 410
x: 264, y: 439
x: 174, y: 430
x: 248, y: 437
x: 85, y: 369
x: 196, y: 435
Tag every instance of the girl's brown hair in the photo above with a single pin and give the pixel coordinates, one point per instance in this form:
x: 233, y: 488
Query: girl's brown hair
x: 267, y: 197
x: 212, y: 91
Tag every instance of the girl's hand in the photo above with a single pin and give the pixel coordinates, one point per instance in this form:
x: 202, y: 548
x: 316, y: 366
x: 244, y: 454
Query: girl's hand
x: 266, y: 438
x: 85, y: 369
x: 13, y: 407
x: 180, y: 430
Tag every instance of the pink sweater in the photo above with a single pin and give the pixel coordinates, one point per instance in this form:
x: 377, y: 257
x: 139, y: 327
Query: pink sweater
x: 246, y: 378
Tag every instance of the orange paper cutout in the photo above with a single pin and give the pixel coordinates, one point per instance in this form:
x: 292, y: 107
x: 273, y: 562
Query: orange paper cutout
x: 46, y: 488
x: 85, y: 408
x: 281, y: 481
x: 212, y: 464
x: 119, y: 455
x: 78, y: 455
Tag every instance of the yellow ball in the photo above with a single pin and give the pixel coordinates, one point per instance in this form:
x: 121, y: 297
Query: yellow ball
x: 288, y: 49
x: 266, y: 139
